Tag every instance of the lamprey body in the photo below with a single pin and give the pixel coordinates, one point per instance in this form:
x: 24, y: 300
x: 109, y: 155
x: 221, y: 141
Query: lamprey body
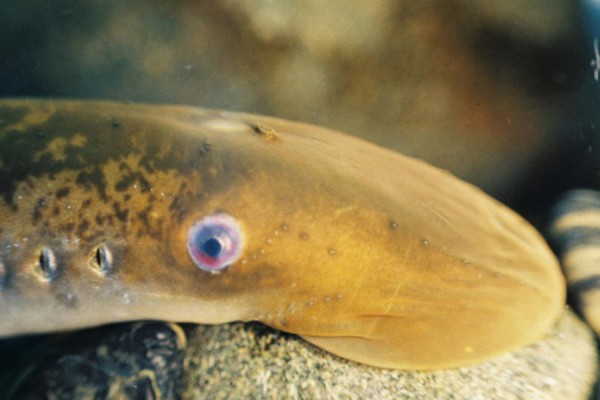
x: 113, y: 212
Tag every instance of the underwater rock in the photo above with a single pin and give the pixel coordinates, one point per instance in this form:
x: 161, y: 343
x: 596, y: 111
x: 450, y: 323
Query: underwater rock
x: 253, y: 361
x: 235, y: 361
x: 141, y: 360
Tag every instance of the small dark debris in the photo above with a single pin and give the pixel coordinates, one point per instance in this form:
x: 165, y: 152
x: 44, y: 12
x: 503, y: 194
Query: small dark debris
x: 266, y: 132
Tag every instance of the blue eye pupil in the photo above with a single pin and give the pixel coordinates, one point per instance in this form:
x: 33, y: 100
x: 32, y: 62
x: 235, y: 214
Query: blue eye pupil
x: 212, y: 247
x: 215, y: 242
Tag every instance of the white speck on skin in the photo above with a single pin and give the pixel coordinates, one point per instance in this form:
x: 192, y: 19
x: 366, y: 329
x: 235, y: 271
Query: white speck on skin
x: 227, y: 125
x: 596, y: 61
x: 126, y: 297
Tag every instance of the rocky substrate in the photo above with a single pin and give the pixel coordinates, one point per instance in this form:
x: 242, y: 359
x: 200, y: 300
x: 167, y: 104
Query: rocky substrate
x: 253, y: 362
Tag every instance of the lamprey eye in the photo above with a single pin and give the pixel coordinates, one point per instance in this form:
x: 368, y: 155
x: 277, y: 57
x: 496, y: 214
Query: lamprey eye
x: 215, y: 242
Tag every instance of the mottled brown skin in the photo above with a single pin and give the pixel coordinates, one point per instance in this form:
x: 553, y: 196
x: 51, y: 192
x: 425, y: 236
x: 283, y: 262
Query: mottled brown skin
x: 371, y: 255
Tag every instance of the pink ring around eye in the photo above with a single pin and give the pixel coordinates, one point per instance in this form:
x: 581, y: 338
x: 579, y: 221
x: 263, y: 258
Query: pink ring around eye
x: 215, y: 242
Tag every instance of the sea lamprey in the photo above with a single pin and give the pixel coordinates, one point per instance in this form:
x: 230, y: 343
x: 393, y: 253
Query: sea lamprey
x: 113, y: 212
